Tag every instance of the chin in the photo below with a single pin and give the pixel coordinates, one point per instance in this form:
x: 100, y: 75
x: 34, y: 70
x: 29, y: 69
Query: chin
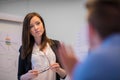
x: 40, y: 35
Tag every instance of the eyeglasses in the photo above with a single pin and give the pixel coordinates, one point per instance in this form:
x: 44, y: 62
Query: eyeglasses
x: 41, y: 71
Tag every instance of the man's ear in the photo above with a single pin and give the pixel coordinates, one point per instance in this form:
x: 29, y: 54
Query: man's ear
x: 91, y: 31
x: 94, y: 38
x: 91, y: 35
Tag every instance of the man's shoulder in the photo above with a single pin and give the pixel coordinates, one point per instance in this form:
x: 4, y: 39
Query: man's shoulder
x: 98, y: 64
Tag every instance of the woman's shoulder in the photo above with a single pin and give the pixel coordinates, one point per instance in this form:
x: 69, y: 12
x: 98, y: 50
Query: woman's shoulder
x: 20, y: 49
x: 54, y: 42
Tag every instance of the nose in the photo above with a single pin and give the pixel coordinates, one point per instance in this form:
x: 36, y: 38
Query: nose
x: 35, y: 27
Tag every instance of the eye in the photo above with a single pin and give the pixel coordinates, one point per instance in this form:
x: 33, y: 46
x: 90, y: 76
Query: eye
x: 31, y: 26
x: 37, y: 23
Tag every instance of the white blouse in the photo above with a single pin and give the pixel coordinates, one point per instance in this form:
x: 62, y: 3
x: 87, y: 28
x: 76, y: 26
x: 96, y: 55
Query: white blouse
x: 41, y: 61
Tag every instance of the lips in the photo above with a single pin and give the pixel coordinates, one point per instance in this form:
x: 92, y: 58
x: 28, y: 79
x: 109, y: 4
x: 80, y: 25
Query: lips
x: 37, y: 31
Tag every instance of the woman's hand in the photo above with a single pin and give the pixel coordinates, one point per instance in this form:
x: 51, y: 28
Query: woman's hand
x: 30, y: 75
x: 56, y: 68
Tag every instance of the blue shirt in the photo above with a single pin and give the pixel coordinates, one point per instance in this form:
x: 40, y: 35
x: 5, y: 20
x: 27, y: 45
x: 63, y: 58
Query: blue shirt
x: 101, y: 64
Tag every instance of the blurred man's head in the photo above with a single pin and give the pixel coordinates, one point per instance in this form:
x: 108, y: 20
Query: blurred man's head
x: 104, y: 19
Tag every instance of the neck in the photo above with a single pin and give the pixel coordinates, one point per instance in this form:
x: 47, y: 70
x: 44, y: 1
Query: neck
x: 96, y: 42
x: 38, y: 41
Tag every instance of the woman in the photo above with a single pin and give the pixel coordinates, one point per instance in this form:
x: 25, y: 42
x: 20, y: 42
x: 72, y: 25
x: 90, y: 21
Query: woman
x: 38, y: 58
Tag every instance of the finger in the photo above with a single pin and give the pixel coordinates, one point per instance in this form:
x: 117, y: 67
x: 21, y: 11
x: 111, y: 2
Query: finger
x: 55, y: 65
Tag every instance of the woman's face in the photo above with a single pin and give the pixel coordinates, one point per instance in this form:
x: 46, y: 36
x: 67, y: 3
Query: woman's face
x: 36, y: 27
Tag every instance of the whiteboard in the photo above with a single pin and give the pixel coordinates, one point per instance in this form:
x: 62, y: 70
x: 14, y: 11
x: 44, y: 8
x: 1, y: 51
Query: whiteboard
x: 10, y: 41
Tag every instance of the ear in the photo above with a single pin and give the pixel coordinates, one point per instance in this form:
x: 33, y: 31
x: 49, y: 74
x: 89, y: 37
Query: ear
x: 91, y: 31
x: 94, y: 38
x: 91, y: 34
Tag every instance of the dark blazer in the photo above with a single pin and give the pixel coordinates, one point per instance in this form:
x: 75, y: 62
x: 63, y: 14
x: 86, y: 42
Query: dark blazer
x: 25, y: 64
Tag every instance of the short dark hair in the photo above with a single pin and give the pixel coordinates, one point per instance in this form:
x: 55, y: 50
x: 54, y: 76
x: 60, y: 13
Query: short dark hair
x: 105, y: 16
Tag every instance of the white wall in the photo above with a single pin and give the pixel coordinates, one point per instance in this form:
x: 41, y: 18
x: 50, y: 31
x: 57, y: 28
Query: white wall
x: 64, y: 19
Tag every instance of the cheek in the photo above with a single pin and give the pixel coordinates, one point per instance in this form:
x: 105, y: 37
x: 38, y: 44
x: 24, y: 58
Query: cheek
x: 42, y: 29
x: 32, y: 32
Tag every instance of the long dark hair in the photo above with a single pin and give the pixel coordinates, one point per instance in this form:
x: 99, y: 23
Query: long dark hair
x: 27, y: 39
